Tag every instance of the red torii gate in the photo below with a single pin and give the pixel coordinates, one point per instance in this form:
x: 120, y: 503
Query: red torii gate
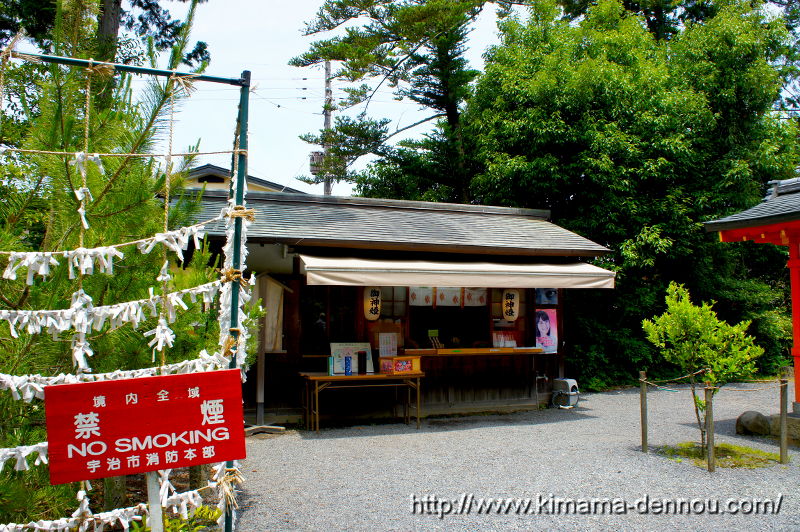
x: 774, y: 221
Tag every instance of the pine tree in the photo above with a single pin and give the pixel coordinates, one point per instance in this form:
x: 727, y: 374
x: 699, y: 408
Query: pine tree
x: 39, y: 212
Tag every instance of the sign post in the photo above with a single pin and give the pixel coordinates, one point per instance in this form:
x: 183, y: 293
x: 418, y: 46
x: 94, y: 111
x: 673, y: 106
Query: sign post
x: 156, y: 521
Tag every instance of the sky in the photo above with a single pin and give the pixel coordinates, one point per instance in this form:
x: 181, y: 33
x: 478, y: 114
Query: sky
x: 285, y: 102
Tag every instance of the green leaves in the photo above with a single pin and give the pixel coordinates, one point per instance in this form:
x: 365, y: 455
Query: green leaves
x: 633, y: 141
x: 694, y: 338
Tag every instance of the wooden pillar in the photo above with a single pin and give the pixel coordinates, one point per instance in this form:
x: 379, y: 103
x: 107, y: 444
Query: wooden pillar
x: 794, y: 275
x: 360, y: 320
x: 291, y: 314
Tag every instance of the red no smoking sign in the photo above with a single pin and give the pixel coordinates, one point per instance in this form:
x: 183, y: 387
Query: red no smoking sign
x: 111, y: 428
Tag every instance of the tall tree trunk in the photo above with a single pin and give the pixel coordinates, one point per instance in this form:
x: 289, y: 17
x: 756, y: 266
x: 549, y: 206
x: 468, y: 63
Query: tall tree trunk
x: 107, y: 40
x: 108, y: 29
x: 454, y: 137
x: 199, y: 476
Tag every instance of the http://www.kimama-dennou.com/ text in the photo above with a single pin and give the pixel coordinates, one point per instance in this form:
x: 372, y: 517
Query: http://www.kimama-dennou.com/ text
x: 549, y: 504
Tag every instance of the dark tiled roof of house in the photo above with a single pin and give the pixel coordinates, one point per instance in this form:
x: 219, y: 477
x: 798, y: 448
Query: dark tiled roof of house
x: 782, y: 204
x: 218, y: 171
x: 305, y: 220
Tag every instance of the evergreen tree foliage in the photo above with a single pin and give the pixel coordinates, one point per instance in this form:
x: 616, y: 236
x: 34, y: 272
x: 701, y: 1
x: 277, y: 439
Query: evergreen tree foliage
x: 39, y: 213
x: 142, y: 20
x: 633, y: 141
x: 417, y: 48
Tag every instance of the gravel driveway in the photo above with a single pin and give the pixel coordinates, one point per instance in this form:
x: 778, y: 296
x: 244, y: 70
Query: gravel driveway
x: 366, y: 477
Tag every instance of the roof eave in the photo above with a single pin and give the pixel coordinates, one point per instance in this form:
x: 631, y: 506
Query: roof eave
x: 285, y: 197
x: 745, y: 223
x: 427, y: 247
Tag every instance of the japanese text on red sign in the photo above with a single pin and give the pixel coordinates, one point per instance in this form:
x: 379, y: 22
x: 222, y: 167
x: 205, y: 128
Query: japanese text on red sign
x: 121, y: 427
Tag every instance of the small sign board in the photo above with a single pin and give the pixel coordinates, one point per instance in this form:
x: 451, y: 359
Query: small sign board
x: 121, y: 427
x: 387, y: 344
x: 341, y: 350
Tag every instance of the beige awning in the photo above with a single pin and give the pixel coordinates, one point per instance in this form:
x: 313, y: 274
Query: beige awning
x: 370, y: 272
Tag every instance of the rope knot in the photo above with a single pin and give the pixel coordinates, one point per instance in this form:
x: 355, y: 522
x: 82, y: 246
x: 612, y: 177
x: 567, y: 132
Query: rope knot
x: 232, y: 275
x: 229, y: 347
x: 240, y: 211
x: 185, y: 82
x: 101, y: 69
x: 227, y: 487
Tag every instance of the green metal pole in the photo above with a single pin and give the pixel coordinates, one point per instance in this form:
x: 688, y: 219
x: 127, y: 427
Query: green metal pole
x: 244, y: 100
x: 241, y: 82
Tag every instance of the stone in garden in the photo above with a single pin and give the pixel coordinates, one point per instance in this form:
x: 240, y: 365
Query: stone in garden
x: 792, y: 427
x: 752, y: 422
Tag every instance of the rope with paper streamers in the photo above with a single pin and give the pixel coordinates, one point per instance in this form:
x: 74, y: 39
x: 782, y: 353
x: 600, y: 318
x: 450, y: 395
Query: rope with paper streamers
x: 41, y: 263
x: 29, y: 387
x: 82, y: 317
x: 236, y: 346
x: 84, y: 521
x: 85, y: 317
x: 20, y: 455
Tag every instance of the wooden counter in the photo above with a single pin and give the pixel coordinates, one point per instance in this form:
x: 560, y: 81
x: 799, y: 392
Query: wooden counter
x: 473, y: 351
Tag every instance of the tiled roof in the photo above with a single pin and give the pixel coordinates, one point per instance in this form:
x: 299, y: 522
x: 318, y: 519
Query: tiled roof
x: 782, y: 204
x: 304, y: 220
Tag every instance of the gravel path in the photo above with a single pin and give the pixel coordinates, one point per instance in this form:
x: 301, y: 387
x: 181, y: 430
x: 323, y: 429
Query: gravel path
x: 364, y: 477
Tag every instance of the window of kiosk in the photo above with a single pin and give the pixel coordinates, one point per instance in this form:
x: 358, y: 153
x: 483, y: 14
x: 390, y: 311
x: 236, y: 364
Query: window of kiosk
x: 327, y: 316
x: 456, y: 326
x: 394, y: 302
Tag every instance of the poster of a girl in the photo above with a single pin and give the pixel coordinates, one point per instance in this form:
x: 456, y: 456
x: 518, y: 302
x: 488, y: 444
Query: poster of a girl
x: 546, y: 335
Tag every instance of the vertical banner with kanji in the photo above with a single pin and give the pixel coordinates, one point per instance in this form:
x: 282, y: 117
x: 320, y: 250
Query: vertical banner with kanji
x: 121, y: 427
x: 372, y: 303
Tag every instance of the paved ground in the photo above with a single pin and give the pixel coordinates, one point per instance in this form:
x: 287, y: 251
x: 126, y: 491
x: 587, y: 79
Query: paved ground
x: 367, y: 477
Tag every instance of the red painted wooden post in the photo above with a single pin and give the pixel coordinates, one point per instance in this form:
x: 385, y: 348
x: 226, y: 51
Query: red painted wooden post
x: 794, y: 276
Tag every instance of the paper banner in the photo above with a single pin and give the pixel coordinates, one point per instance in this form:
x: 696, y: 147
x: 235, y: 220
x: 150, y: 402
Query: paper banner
x: 420, y: 296
x: 82, y: 317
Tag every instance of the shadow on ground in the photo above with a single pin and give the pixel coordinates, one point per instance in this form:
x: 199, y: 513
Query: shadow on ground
x: 341, y: 429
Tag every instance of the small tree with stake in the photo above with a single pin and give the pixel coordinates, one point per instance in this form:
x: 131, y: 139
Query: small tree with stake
x: 695, y: 339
